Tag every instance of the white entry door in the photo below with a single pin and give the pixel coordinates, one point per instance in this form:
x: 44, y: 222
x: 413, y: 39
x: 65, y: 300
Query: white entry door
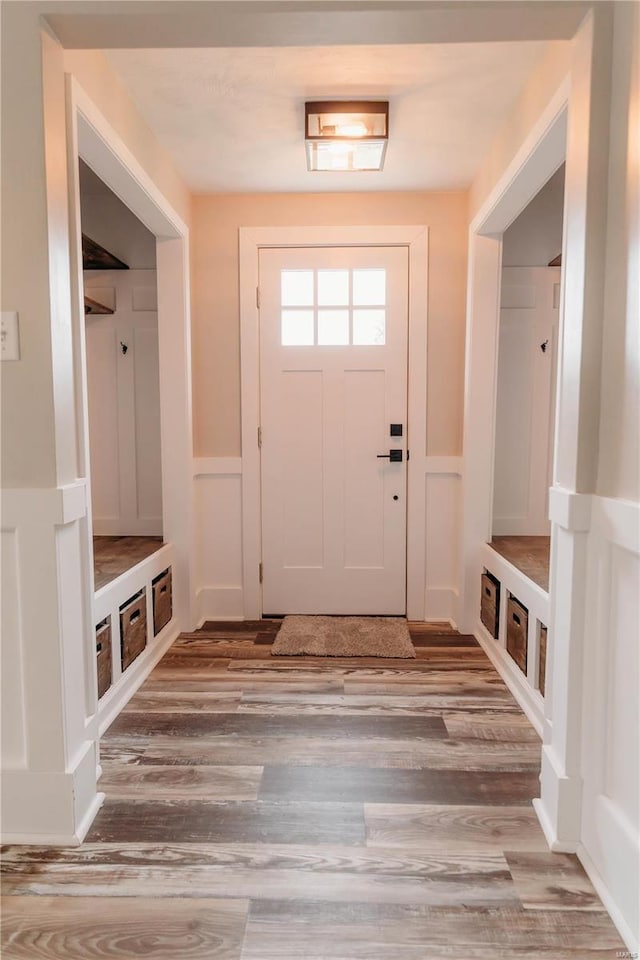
x: 333, y: 383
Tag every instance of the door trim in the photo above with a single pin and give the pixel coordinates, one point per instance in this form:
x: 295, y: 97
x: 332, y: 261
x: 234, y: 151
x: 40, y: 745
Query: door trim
x: 251, y: 241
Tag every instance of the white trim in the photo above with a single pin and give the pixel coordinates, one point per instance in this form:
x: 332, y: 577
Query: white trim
x: 441, y: 605
x: 539, y: 157
x: 630, y: 938
x: 541, y: 154
x: 94, y: 139
x: 416, y: 419
x: 71, y: 801
x: 59, y: 839
x: 443, y: 465
x: 108, y: 155
x: 555, y: 845
x: 217, y: 467
x: 227, y: 602
x: 54, y: 505
x: 251, y: 240
x: 618, y: 521
x: 511, y: 527
x: 570, y: 510
x: 529, y: 699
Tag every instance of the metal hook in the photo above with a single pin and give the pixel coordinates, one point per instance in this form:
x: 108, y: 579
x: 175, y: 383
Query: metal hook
x: 543, y: 346
x: 123, y: 347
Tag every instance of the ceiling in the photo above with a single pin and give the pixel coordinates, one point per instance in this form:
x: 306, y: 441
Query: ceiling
x: 233, y: 118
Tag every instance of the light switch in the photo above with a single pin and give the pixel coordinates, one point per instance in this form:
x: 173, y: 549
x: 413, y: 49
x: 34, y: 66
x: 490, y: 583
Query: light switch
x: 10, y: 335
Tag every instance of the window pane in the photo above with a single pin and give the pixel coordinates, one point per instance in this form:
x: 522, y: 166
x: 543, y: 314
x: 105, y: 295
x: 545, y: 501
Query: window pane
x: 297, y: 288
x: 333, y: 288
x: 333, y: 327
x: 369, y: 327
x: 369, y: 288
x: 297, y: 328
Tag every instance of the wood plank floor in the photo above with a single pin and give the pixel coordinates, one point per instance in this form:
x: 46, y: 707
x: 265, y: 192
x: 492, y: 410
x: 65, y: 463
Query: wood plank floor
x: 261, y: 808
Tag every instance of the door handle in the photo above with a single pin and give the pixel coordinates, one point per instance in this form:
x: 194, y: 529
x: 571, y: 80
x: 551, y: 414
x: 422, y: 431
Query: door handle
x: 395, y: 456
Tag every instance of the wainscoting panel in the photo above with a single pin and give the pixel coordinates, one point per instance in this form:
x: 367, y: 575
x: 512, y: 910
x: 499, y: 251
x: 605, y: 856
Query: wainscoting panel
x: 49, y: 747
x: 443, y: 491
x: 218, y: 506
x: 611, y: 716
x: 218, y: 525
x: 13, y: 732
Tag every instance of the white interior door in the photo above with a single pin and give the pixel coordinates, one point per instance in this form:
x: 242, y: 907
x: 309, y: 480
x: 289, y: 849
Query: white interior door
x: 333, y: 369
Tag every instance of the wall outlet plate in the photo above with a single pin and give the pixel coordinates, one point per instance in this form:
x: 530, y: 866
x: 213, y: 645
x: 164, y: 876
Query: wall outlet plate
x: 9, y: 336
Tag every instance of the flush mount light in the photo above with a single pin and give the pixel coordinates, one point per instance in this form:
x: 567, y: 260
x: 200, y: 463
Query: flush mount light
x: 346, y: 135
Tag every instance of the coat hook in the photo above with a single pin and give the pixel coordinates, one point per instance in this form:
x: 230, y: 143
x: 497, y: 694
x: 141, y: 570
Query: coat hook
x: 543, y: 346
x: 123, y: 347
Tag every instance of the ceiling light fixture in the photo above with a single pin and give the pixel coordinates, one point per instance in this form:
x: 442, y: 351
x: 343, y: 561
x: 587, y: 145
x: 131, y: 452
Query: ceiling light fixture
x: 346, y: 135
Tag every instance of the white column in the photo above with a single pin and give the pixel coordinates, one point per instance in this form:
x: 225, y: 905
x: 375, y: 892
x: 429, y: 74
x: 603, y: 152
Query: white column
x: 576, y: 445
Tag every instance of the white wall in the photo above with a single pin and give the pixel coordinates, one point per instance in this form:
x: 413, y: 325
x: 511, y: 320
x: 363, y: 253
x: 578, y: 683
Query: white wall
x: 534, y: 238
x: 124, y: 404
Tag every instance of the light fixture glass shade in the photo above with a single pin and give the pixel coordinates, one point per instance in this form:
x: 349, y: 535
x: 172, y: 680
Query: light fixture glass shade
x: 346, y: 135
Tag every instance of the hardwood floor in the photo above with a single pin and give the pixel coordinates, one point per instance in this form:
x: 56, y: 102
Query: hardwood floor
x: 531, y: 555
x: 310, y: 809
x: 112, y: 556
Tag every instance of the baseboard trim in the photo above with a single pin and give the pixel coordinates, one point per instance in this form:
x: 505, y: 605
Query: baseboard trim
x: 85, y: 824
x: 220, y: 603
x: 440, y: 604
x: 116, y: 527
x: 528, y: 699
x: 556, y: 846
x: 631, y: 940
x: 217, y: 467
x: 62, y: 791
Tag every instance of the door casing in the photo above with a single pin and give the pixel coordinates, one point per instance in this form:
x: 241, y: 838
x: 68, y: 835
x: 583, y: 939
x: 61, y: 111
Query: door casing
x: 252, y: 239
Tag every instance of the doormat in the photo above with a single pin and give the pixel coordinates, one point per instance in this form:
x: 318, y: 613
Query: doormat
x: 343, y: 637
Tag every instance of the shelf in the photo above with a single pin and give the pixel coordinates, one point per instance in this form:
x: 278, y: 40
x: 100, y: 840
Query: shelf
x: 95, y: 257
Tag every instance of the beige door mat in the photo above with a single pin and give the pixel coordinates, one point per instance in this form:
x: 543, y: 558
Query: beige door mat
x: 343, y: 637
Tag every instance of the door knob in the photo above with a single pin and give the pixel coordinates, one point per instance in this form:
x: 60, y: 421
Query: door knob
x: 395, y: 456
